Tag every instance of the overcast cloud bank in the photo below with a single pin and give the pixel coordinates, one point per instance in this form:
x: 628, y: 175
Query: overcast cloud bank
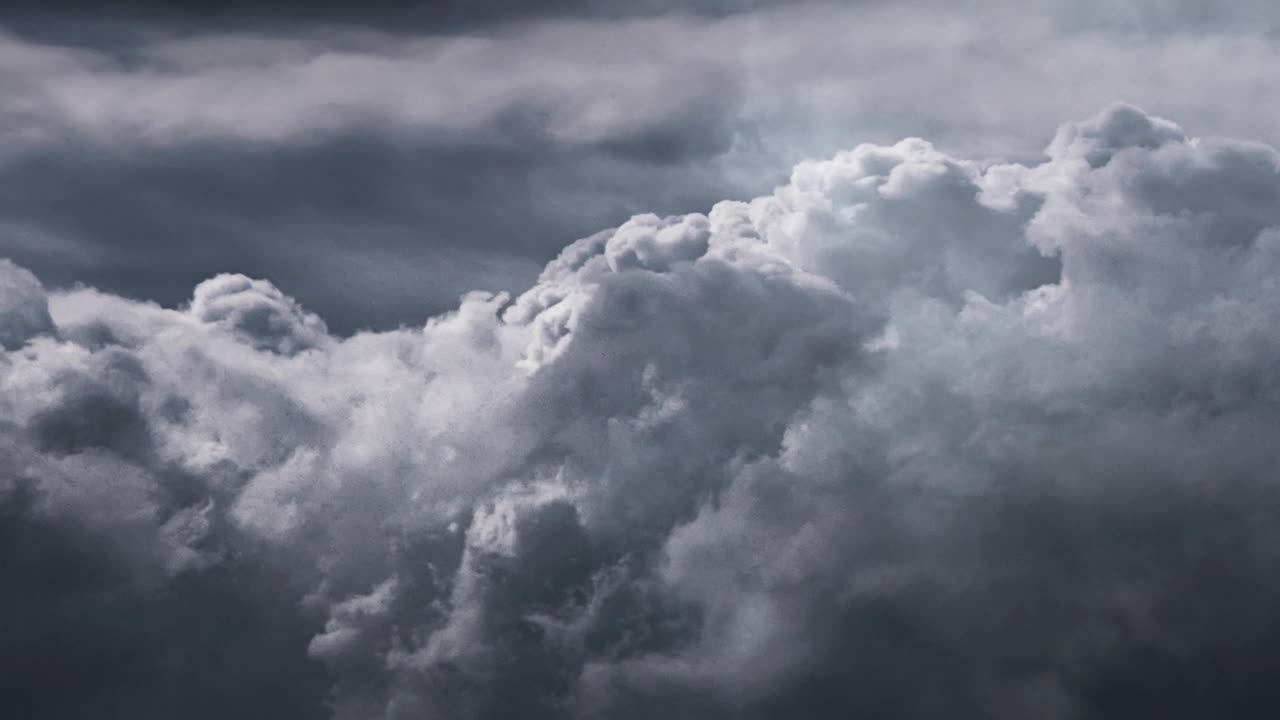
x: 377, y: 164
x: 910, y: 437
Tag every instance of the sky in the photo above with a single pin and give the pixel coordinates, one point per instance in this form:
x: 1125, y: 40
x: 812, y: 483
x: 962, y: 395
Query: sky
x: 590, y: 359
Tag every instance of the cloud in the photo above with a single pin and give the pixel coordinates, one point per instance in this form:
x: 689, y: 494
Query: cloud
x: 296, y: 88
x: 258, y: 313
x: 263, y: 136
x: 25, y: 309
x: 144, y: 151
x: 464, y: 166
x: 418, y: 16
x: 912, y: 436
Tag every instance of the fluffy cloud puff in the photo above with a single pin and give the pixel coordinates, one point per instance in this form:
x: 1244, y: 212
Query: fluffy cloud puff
x: 258, y: 313
x: 910, y: 437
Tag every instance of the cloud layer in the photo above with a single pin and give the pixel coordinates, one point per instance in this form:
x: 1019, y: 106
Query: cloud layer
x: 911, y: 436
x: 420, y: 152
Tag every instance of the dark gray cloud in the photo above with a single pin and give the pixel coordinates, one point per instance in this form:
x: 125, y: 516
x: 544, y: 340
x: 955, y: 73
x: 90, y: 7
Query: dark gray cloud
x: 420, y: 15
x: 87, y: 637
x: 911, y: 436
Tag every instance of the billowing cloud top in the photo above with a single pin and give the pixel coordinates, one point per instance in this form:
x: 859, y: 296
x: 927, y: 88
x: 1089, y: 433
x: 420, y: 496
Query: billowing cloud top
x: 258, y: 313
x: 910, y: 437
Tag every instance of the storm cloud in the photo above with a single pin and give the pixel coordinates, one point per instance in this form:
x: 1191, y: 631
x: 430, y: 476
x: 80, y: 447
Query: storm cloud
x: 911, y: 436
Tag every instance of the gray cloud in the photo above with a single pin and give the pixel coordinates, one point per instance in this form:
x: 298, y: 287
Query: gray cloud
x: 418, y: 16
x: 420, y: 158
x: 25, y: 310
x: 911, y: 436
x: 257, y: 313
x: 420, y: 207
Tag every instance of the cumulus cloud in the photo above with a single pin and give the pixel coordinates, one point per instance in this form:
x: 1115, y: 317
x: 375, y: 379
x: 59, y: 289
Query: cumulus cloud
x: 258, y: 313
x: 912, y: 436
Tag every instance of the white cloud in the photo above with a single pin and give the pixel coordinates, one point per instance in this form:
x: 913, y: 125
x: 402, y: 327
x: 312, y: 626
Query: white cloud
x: 258, y: 313
x: 907, y: 414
